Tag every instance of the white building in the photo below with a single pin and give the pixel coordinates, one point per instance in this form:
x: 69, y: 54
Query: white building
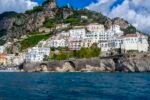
x: 78, y: 44
x: 64, y: 34
x: 137, y: 42
x: 74, y: 45
x: 105, y: 46
x: 37, y: 54
x: 2, y: 49
x: 77, y: 32
x: 95, y: 27
x: 93, y: 37
x: 105, y: 36
x: 115, y: 42
x: 57, y: 43
x: 84, y: 17
x: 116, y: 29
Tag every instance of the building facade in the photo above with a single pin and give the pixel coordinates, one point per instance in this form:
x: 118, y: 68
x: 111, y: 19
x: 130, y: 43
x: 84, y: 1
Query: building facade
x: 55, y: 43
x: 137, y: 42
x: 77, y: 32
x: 129, y: 42
x: 37, y: 54
x: 95, y: 27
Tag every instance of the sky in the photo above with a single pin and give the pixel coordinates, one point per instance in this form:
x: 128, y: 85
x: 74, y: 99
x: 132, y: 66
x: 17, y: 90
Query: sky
x: 136, y: 12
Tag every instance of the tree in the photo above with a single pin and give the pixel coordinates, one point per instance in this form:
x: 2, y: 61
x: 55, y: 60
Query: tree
x: 46, y: 58
x: 130, y: 29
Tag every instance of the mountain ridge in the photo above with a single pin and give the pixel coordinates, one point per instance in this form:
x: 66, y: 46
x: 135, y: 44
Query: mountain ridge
x: 14, y: 25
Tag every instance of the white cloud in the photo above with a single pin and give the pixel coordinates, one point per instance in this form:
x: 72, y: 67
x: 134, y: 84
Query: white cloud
x: 16, y: 5
x: 137, y: 12
x: 101, y: 5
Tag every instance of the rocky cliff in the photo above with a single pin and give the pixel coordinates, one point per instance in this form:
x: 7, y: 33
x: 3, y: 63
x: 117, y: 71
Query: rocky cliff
x: 14, y: 25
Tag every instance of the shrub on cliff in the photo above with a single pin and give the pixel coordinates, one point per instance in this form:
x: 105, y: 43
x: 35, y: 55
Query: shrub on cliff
x: 87, y: 52
x: 49, y: 23
x: 130, y: 29
x: 72, y: 21
x: 82, y: 53
x: 34, y: 10
x: 32, y: 41
x: 62, y: 56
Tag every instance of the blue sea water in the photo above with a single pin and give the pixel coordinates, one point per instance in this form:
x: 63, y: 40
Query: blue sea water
x: 74, y: 86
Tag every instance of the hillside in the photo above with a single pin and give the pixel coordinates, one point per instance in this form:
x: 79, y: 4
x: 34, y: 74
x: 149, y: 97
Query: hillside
x: 14, y: 25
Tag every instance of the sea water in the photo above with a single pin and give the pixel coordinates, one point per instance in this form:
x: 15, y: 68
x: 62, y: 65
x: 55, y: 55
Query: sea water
x: 74, y: 86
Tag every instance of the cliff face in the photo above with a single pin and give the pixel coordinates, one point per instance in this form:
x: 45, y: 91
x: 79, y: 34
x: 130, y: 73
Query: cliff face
x: 133, y: 64
x: 17, y: 25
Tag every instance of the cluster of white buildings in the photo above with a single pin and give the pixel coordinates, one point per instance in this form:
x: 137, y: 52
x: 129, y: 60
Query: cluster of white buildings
x: 37, y: 54
x: 107, y: 40
x: 78, y: 37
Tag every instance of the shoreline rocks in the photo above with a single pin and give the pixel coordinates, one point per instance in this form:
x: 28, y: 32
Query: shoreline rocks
x: 122, y: 64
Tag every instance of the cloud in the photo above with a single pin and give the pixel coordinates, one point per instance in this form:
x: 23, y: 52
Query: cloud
x: 16, y: 5
x: 136, y: 12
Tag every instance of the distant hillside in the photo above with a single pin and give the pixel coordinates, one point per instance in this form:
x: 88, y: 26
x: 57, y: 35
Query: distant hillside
x: 14, y: 25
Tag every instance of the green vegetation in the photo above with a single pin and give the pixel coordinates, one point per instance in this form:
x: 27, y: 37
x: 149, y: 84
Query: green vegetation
x: 60, y: 49
x: 35, y: 9
x: 47, y: 1
x: 49, y: 23
x: 7, y: 14
x: 2, y: 32
x: 72, y: 21
x: 2, y: 41
x: 130, y: 29
x: 82, y: 53
x: 87, y: 53
x: 92, y: 16
x: 132, y: 51
x: 62, y: 55
x: 75, y: 18
x: 32, y: 41
x: 34, y: 33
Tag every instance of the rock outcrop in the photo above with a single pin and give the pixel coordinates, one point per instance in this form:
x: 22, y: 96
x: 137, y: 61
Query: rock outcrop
x: 134, y: 64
